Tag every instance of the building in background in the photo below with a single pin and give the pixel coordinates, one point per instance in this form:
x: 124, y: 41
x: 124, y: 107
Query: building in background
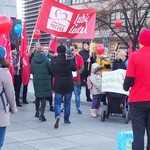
x: 8, y: 8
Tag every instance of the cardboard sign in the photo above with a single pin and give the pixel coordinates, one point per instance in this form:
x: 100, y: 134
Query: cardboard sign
x: 112, y: 81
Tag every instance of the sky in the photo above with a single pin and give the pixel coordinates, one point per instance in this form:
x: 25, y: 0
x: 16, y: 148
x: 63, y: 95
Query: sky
x: 18, y: 2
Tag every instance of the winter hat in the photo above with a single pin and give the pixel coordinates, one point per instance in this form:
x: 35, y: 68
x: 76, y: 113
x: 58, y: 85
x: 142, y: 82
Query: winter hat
x: 2, y: 52
x: 98, y: 68
x: 61, y: 49
x: 144, y: 37
x: 87, y: 42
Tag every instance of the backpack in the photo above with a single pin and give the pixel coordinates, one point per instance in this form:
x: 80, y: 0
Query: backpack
x: 89, y: 83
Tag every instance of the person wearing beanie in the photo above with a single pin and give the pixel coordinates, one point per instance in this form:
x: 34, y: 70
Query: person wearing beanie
x: 88, y: 60
x: 63, y: 84
x: 138, y: 81
x: 7, y: 96
x: 96, y: 89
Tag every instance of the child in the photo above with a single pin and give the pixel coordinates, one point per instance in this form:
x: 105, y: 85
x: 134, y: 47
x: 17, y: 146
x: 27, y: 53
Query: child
x: 95, y: 90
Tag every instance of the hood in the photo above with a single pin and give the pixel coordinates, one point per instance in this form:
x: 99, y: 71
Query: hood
x: 95, y: 67
x: 144, y: 37
x: 39, y: 58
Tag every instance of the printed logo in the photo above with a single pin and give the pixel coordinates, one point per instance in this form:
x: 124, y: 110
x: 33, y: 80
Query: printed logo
x: 59, y: 19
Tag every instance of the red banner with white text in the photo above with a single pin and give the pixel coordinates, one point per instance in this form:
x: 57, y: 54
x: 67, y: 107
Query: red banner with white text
x: 61, y: 20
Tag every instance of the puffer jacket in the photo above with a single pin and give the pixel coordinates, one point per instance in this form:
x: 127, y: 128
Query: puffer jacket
x: 7, y: 103
x: 42, y: 71
x: 96, y: 80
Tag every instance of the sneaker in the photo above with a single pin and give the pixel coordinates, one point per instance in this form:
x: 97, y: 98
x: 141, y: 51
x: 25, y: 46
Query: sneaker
x: 62, y: 110
x: 56, y: 125
x: 37, y: 114
x: 42, y: 118
x: 79, y: 111
x: 67, y: 122
x: 51, y: 108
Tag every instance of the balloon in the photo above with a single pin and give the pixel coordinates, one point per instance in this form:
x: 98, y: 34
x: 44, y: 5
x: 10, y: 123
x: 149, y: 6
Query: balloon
x: 37, y: 34
x: 6, y: 24
x: 18, y: 29
x: 100, y: 49
x: 118, y: 23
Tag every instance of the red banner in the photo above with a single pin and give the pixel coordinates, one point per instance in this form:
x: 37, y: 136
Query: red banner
x: 61, y: 20
x: 53, y: 45
x: 24, y: 54
x: 5, y: 42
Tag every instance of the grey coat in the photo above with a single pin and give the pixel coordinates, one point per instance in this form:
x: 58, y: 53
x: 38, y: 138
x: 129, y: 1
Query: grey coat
x: 9, y: 103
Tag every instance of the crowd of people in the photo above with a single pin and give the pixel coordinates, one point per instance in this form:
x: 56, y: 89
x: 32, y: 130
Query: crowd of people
x: 53, y: 73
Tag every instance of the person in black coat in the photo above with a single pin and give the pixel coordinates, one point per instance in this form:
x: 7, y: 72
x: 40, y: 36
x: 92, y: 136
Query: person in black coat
x: 119, y: 62
x: 88, y: 60
x: 63, y: 84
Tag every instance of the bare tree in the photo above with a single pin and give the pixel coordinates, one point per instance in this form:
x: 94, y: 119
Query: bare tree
x: 135, y: 15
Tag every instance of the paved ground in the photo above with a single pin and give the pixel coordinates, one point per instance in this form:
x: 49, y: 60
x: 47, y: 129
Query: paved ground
x: 84, y: 133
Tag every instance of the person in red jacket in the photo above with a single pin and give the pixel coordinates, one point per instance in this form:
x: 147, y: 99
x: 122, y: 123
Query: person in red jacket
x: 137, y: 80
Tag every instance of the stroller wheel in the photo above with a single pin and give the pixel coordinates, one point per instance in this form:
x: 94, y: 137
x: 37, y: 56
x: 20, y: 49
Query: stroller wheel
x: 103, y: 115
x: 127, y: 117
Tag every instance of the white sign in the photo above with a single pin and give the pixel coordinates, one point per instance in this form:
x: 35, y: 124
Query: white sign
x: 112, y: 81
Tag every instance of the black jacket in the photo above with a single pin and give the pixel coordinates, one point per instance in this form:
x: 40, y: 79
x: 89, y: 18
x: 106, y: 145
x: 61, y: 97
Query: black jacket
x: 62, y: 69
x: 118, y: 64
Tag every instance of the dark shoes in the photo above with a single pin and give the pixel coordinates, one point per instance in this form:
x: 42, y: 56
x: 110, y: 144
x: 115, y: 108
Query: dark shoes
x: 19, y: 105
x: 56, y: 125
x: 42, y: 118
x: 79, y: 111
x: 25, y: 102
x: 51, y: 108
x: 89, y: 100
x: 62, y: 110
x: 67, y: 122
x: 37, y: 114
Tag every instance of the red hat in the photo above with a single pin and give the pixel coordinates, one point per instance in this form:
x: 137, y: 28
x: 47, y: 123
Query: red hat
x: 144, y: 37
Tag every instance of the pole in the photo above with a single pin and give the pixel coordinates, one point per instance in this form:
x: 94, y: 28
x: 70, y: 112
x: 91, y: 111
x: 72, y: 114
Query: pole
x: 31, y: 40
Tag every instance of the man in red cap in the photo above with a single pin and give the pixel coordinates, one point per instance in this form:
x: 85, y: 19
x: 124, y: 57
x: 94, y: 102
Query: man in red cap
x: 137, y: 78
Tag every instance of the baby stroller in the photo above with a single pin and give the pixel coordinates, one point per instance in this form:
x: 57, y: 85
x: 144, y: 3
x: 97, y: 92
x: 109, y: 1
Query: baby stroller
x: 116, y: 105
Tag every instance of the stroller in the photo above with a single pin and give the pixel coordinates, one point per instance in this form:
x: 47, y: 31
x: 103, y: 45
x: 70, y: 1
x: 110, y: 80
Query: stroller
x: 116, y: 104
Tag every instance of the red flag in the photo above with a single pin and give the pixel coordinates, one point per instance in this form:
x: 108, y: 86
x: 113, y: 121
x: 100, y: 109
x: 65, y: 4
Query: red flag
x: 24, y: 55
x: 53, y: 45
x: 5, y: 42
x: 61, y: 20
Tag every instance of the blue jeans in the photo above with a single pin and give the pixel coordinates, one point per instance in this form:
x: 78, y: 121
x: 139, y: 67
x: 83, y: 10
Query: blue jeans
x: 2, y: 135
x: 77, y: 92
x: 67, y: 105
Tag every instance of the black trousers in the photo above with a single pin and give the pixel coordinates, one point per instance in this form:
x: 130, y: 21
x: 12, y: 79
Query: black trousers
x: 140, y: 116
x: 17, y: 86
x: 40, y: 104
x: 25, y: 90
x: 83, y: 83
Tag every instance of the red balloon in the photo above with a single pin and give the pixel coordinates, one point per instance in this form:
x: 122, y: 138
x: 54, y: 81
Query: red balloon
x: 100, y: 49
x: 37, y: 34
x: 6, y: 24
x: 118, y: 23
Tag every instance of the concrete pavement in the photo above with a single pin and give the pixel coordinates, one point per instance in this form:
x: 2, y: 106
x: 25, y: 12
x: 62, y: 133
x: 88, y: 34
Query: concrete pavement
x: 84, y: 133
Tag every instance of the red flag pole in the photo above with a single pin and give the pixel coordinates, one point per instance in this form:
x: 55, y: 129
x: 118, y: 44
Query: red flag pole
x: 31, y: 40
